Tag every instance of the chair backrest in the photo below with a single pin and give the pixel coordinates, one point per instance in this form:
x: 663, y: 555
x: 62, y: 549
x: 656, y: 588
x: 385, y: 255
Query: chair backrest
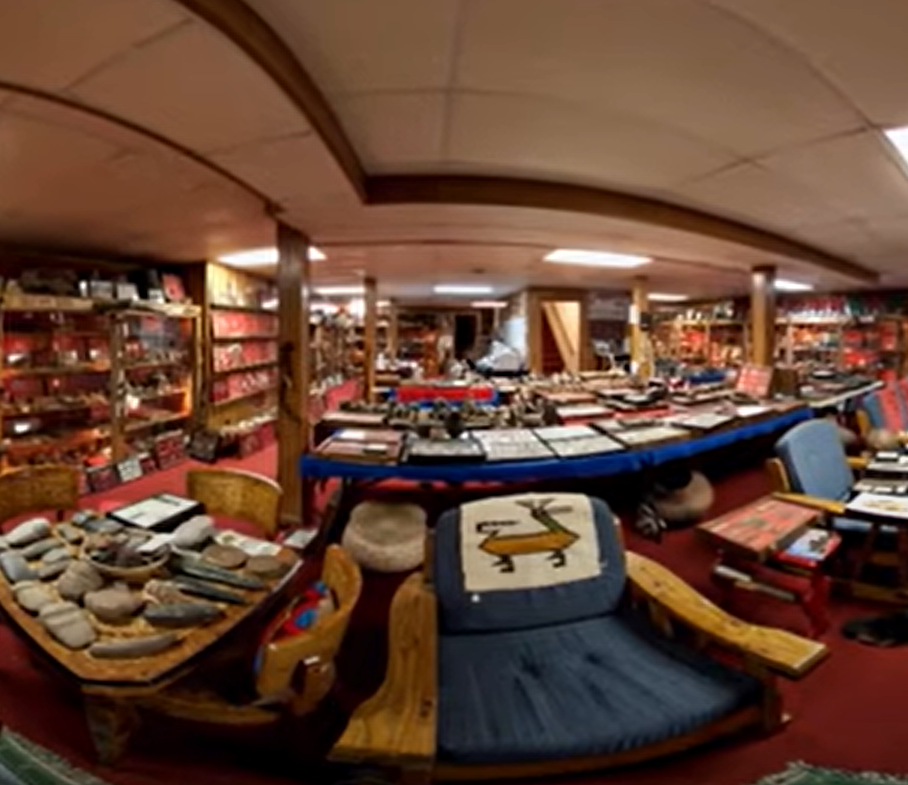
x: 528, y: 560
x: 887, y: 409
x: 237, y: 494
x: 815, y: 460
x: 38, y: 489
x: 311, y: 653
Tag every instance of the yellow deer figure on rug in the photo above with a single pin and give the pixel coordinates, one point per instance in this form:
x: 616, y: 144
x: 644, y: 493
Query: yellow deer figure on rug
x: 555, y: 539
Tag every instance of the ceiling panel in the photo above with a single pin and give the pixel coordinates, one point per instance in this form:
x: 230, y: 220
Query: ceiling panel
x: 50, y: 44
x: 748, y: 192
x: 856, y: 174
x: 352, y: 46
x: 847, y: 237
x: 550, y: 138
x: 195, y: 87
x: 859, y: 45
x: 395, y: 132
x: 697, y: 68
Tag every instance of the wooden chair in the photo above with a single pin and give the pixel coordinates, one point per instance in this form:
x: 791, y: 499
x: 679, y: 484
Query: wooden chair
x: 295, y: 673
x: 812, y: 469
x: 37, y: 489
x: 237, y: 494
x: 406, y: 725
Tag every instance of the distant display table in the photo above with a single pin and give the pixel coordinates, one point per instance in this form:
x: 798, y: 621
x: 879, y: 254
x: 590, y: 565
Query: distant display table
x: 769, y: 546
x: 315, y: 469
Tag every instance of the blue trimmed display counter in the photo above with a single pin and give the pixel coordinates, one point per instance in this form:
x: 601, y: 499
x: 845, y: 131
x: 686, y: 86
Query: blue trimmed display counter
x: 314, y: 468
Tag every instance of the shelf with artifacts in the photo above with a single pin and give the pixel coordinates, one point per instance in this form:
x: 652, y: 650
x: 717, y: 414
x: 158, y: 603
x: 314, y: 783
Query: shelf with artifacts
x: 66, y: 363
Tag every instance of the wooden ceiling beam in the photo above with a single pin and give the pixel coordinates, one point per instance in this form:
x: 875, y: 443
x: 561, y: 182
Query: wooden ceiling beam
x: 543, y: 195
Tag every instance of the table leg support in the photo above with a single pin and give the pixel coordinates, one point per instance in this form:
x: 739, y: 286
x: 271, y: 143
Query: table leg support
x: 110, y: 723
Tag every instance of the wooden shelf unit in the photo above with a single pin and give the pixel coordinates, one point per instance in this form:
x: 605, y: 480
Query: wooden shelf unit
x: 88, y: 401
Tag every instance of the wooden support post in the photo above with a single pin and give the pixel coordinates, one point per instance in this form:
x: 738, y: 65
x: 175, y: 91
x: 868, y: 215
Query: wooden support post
x: 370, y: 338
x: 640, y: 355
x: 294, y: 367
x: 763, y: 316
x: 392, y: 330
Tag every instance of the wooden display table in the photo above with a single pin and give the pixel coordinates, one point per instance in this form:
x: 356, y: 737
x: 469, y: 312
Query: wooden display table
x: 769, y: 546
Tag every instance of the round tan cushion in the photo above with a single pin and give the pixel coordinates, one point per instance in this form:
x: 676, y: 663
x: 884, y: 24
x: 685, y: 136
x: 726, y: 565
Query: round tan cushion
x: 687, y: 504
x: 386, y: 537
x: 880, y: 439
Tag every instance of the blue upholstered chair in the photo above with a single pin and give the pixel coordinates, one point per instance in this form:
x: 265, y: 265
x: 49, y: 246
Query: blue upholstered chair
x: 543, y: 646
x: 813, y: 469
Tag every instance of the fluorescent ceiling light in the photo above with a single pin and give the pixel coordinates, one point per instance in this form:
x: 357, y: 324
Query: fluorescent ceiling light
x: 664, y: 297
x: 899, y: 139
x: 461, y: 289
x: 339, y: 291
x: 783, y: 285
x: 259, y: 257
x: 596, y: 258
x: 489, y: 304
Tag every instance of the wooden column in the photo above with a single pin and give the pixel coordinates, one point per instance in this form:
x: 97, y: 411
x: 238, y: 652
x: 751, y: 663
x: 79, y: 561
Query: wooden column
x: 293, y: 426
x: 640, y: 355
x: 370, y: 338
x: 392, y: 330
x: 763, y: 316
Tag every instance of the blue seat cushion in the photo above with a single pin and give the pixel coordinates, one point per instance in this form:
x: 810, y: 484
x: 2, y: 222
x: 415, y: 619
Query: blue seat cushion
x: 598, y: 593
x: 815, y: 460
x: 591, y: 687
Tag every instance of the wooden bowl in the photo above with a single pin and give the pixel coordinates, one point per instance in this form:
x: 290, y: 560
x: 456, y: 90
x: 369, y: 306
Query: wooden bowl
x: 139, y: 574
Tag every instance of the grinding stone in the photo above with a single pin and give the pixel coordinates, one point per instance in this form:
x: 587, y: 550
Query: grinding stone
x: 28, y: 531
x: 32, y: 596
x: 78, y: 578
x: 48, y: 571
x: 37, y: 549
x: 114, y: 604
x: 55, y: 555
x: 15, y: 568
x: 68, y: 623
x: 131, y: 648
x: 267, y: 567
x: 227, y: 556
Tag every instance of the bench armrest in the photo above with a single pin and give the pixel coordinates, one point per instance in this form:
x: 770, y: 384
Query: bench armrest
x: 815, y: 502
x: 858, y: 462
x: 397, y: 725
x: 778, y: 650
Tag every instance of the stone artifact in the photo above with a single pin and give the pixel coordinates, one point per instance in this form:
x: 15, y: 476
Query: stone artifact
x: 227, y: 556
x: 68, y: 623
x: 114, y: 604
x: 54, y: 555
x: 197, y: 569
x: 28, y: 531
x: 120, y: 550
x: 194, y: 532
x: 48, y: 571
x: 102, y: 526
x: 208, y: 591
x: 266, y: 567
x: 182, y: 614
x: 37, y: 549
x: 15, y: 568
x: 131, y: 648
x: 164, y: 592
x: 69, y: 532
x: 78, y: 578
x: 32, y: 596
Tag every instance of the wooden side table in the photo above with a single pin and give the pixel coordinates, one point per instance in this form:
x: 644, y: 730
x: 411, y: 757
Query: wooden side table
x: 771, y: 547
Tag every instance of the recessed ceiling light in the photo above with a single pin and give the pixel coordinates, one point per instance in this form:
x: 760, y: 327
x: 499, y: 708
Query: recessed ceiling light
x: 596, y: 258
x: 339, y: 291
x: 783, y: 285
x: 461, y: 289
x: 665, y: 297
x: 489, y: 304
x: 260, y: 257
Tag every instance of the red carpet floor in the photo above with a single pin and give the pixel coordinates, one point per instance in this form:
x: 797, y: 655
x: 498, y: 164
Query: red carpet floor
x: 850, y: 713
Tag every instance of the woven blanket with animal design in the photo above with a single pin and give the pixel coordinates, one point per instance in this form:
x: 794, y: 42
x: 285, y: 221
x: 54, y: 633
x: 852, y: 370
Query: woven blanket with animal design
x: 527, y: 542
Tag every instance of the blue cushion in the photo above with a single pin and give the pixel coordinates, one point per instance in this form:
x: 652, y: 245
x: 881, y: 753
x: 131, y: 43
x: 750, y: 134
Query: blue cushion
x: 815, y: 460
x: 465, y: 611
x: 874, y: 409
x: 592, y: 687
